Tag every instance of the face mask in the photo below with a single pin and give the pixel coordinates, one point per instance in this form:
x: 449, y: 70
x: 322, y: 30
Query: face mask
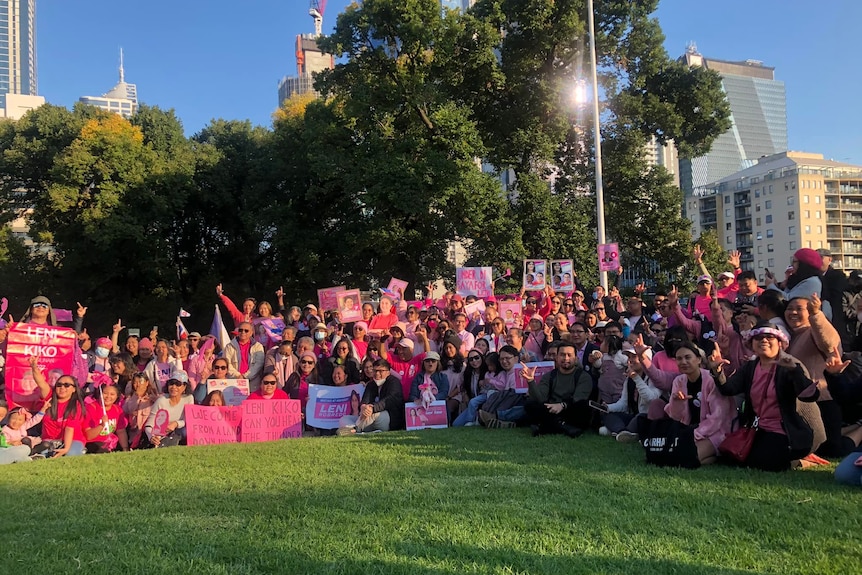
x: 432, y: 325
x: 102, y: 353
x: 319, y: 335
x: 595, y: 295
x: 379, y: 382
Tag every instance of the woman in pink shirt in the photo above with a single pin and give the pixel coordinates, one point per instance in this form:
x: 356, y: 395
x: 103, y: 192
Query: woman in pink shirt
x: 386, y: 317
x: 139, y: 400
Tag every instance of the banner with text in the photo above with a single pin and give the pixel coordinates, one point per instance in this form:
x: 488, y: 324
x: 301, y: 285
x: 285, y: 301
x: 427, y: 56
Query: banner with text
x: 54, y: 348
x: 212, y: 425
x: 542, y: 367
x: 327, y: 404
x: 271, y: 419
x: 234, y: 390
x: 432, y: 417
x: 474, y: 281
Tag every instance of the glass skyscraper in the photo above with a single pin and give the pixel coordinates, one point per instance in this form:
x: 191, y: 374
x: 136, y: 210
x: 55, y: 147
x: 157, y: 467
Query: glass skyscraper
x: 17, y: 48
x: 758, y: 107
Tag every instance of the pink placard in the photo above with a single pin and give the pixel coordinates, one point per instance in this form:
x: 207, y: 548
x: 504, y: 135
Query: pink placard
x: 212, y: 425
x: 326, y: 298
x: 609, y: 257
x: 234, y: 390
x: 542, y: 367
x: 160, y: 425
x: 535, y: 272
x: 510, y: 311
x: 271, y: 419
x: 53, y: 346
x: 349, y: 305
x: 474, y: 281
x: 432, y: 417
x: 396, y: 287
x: 476, y: 306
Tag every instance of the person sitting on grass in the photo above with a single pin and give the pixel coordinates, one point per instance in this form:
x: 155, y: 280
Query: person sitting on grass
x: 500, y: 381
x: 382, y: 407
x: 430, y: 374
x: 139, y: 402
x: 177, y: 396
x: 15, y: 432
x: 558, y: 403
x: 105, y: 423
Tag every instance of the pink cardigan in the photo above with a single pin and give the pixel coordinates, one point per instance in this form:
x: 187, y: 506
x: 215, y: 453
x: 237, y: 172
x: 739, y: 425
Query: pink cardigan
x: 716, y: 410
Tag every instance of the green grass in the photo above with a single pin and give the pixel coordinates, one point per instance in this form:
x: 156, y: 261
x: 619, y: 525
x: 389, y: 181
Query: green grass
x: 453, y: 501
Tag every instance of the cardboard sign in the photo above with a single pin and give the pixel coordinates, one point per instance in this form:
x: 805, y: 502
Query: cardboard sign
x: 326, y: 298
x: 53, y: 346
x: 474, y: 281
x: 476, y: 306
x: 235, y: 390
x: 270, y: 420
x: 562, y: 275
x: 534, y: 274
x: 609, y: 257
x: 160, y: 425
x: 434, y: 417
x: 397, y: 287
x: 542, y: 367
x: 510, y: 311
x: 327, y: 404
x: 349, y: 305
x: 212, y: 425
x: 269, y: 331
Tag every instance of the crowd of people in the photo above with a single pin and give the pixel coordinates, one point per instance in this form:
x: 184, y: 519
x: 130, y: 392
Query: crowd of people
x: 763, y: 377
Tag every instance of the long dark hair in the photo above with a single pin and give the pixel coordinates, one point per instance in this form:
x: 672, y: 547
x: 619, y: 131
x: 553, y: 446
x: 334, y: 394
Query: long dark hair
x: 674, y: 337
x: 73, y: 407
x: 802, y: 273
x: 125, y: 358
x: 456, y: 363
x: 469, y: 370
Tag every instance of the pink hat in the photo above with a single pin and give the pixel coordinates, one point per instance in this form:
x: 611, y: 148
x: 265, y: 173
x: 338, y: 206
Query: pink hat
x: 361, y: 324
x: 145, y: 343
x: 537, y: 317
x: 490, y: 299
x: 406, y: 343
x: 809, y: 257
x: 105, y: 342
x: 309, y: 355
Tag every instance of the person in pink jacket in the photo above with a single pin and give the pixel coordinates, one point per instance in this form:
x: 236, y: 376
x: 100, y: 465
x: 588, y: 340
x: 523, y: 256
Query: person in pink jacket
x: 695, y: 401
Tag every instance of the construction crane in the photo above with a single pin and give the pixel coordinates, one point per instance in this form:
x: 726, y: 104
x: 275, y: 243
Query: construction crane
x: 315, y: 10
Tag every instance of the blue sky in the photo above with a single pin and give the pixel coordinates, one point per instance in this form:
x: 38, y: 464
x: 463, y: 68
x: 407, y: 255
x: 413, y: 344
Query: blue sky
x: 223, y: 59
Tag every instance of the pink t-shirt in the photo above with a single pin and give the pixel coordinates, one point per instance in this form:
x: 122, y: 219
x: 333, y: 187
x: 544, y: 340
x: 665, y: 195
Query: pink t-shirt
x: 116, y: 420
x: 769, y: 415
x: 361, y: 347
x: 244, y: 354
x: 406, y: 370
x: 278, y: 394
x: 55, y: 428
x: 383, y: 322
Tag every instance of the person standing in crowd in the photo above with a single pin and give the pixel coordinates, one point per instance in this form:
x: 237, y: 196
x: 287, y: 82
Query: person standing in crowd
x: 245, y: 356
x: 834, y: 285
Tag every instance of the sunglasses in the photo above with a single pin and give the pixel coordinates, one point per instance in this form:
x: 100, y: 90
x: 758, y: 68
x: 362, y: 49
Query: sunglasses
x: 244, y: 330
x: 40, y: 305
x: 219, y: 367
x: 64, y: 384
x: 600, y: 309
x: 306, y: 362
x: 268, y: 382
x: 474, y: 358
x: 532, y: 301
x: 176, y: 384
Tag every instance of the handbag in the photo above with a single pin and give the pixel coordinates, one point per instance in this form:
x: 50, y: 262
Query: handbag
x: 668, y: 443
x: 737, y: 444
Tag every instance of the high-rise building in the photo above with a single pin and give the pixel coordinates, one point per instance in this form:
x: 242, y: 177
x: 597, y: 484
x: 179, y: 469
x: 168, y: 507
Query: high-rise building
x: 17, y: 48
x: 457, y: 4
x: 309, y: 60
x: 122, y: 99
x: 784, y: 202
x: 758, y: 108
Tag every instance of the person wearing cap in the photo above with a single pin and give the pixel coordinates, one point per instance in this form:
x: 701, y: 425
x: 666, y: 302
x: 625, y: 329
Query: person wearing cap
x: 245, y: 356
x: 177, y: 395
x: 834, y: 285
x: 804, y: 278
x: 724, y: 283
x: 98, y: 358
x: 771, y: 385
x: 700, y: 299
x: 430, y: 374
x: 396, y: 332
x: 404, y: 365
x: 638, y: 392
x: 194, y: 341
x: 360, y: 331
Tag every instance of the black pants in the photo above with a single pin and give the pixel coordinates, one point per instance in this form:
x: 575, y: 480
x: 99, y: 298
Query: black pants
x: 577, y: 414
x: 836, y: 445
x: 769, y: 452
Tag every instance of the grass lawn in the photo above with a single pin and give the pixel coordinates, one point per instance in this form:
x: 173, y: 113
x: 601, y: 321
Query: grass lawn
x: 453, y: 501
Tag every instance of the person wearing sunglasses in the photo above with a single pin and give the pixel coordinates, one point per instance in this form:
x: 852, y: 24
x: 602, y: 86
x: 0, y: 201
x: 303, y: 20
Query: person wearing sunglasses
x: 268, y: 390
x: 177, y: 396
x: 63, y: 423
x: 306, y: 374
x: 245, y: 356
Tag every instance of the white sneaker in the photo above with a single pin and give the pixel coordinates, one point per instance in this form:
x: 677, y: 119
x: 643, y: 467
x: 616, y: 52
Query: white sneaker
x: 604, y: 431
x: 627, y: 437
x: 471, y: 424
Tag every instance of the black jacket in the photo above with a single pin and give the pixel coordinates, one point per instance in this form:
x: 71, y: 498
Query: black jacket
x: 390, y: 398
x: 789, y: 383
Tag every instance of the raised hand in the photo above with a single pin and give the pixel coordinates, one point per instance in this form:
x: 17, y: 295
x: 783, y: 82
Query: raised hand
x: 82, y: 311
x: 430, y: 287
x: 640, y: 288
x: 733, y: 258
x: 834, y: 365
x: 118, y: 327
x: 715, y: 362
x: 697, y: 252
x: 816, y: 304
x: 640, y: 347
x: 219, y: 290
x: 528, y: 373
x: 279, y: 293
x: 673, y: 296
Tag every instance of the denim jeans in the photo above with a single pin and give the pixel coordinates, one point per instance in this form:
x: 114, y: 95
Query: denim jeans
x: 472, y: 411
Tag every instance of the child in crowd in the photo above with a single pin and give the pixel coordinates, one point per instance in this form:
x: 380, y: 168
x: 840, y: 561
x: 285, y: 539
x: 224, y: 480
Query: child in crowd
x: 19, y: 422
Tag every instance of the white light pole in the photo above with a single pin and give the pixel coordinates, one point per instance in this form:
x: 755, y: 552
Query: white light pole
x: 600, y: 193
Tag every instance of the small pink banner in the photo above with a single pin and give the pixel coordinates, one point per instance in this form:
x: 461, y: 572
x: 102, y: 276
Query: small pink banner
x: 609, y: 257
x: 212, y: 425
x: 432, y: 417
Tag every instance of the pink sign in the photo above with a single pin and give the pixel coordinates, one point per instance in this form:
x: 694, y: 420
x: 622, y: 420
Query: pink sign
x: 349, y: 305
x: 53, y: 346
x: 609, y: 257
x: 562, y: 275
x: 535, y: 272
x: 474, y: 281
x: 542, y: 367
x: 326, y: 298
x: 271, y: 419
x: 396, y: 287
x: 212, y: 425
x: 432, y: 417
x: 235, y: 390
x: 510, y: 311
x: 160, y: 425
x: 477, y: 306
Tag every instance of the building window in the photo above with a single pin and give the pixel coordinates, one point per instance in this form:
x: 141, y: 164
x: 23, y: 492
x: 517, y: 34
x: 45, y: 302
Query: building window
x: 768, y: 218
x: 728, y: 239
x: 817, y: 214
x: 771, y: 262
x: 757, y: 221
x: 819, y: 229
x: 791, y: 215
x: 791, y: 231
x: 786, y: 186
x: 756, y: 207
x: 769, y: 233
x: 770, y: 188
x: 807, y: 229
x: 727, y: 213
x: 792, y: 246
x: 768, y: 204
x: 805, y: 199
x: 727, y: 226
x: 760, y: 264
x: 727, y: 200
x: 807, y: 213
x: 816, y: 199
x: 759, y: 250
x: 791, y: 200
x: 770, y: 248
x: 757, y: 193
